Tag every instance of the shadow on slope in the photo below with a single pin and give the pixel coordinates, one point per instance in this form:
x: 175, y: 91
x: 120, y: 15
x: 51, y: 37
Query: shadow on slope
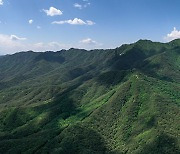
x: 24, y: 128
x: 50, y: 57
x: 112, y: 77
x: 163, y: 144
x: 152, y: 63
x: 77, y: 139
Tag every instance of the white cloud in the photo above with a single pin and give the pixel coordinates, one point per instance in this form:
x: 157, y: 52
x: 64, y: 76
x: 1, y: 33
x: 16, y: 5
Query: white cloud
x: 38, y: 27
x: 50, y: 46
x: 79, y: 6
x: 88, y: 41
x: 53, y: 11
x: 1, y: 2
x: 75, y: 21
x: 175, y: 34
x: 11, y: 43
x: 89, y: 22
x: 30, y: 21
x: 16, y: 38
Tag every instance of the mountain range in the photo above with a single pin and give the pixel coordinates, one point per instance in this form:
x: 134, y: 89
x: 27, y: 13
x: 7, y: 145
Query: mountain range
x: 115, y: 101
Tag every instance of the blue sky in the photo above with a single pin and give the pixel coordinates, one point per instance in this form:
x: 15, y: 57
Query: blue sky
x: 41, y: 25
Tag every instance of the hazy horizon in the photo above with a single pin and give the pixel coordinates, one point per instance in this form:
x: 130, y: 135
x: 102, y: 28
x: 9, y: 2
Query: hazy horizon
x: 87, y: 24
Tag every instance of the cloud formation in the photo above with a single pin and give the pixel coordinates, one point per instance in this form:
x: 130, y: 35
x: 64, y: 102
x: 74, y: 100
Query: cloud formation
x: 50, y: 46
x: 1, y: 2
x: 89, y: 43
x: 53, y: 11
x: 175, y: 34
x: 79, y: 6
x: 75, y: 21
x: 30, y: 21
x: 16, y: 38
x: 11, y: 44
x: 89, y: 22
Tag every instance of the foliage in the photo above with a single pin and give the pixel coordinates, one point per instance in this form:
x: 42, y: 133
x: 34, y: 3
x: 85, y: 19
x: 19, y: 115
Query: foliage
x: 123, y: 100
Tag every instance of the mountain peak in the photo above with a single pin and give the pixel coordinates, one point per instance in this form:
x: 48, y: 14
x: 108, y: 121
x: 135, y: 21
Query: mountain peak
x: 175, y: 42
x: 144, y: 40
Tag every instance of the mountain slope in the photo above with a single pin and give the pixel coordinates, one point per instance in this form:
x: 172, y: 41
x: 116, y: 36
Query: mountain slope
x: 124, y: 100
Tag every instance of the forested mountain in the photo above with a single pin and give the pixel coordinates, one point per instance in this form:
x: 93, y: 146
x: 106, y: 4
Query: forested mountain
x: 123, y: 100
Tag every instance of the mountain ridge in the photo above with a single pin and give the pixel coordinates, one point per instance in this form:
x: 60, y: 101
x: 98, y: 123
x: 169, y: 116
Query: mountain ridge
x: 122, y: 100
x: 175, y: 41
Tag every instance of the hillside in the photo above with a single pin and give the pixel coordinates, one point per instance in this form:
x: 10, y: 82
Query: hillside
x: 123, y: 100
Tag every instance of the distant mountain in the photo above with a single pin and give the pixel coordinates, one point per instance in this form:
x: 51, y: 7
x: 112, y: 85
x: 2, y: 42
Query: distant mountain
x: 123, y: 100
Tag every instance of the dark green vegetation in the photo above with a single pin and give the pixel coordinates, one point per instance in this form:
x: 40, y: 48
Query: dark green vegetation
x: 125, y: 100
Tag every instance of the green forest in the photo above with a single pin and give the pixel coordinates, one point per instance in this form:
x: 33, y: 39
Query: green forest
x: 114, y: 101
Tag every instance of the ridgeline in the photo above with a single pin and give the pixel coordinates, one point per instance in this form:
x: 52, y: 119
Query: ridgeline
x: 116, y: 101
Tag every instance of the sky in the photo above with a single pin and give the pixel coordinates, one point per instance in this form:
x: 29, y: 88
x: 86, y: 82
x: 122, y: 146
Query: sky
x: 42, y: 25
